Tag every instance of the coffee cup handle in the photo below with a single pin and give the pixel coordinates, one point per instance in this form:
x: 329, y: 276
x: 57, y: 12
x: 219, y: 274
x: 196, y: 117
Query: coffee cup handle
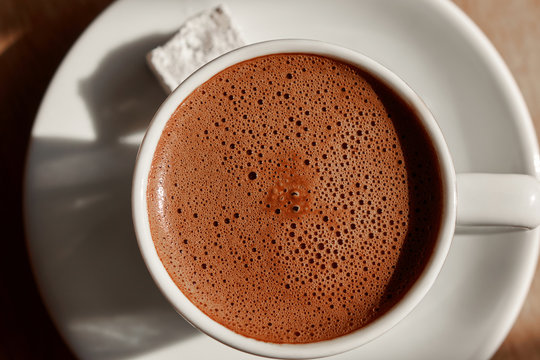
x: 498, y: 200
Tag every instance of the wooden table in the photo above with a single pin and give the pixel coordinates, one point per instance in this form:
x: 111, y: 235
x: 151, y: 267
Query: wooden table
x: 34, y: 37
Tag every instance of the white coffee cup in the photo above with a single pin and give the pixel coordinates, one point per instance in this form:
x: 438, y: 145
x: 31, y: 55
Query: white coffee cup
x: 469, y: 199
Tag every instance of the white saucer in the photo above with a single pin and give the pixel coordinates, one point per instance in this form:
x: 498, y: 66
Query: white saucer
x: 85, y: 139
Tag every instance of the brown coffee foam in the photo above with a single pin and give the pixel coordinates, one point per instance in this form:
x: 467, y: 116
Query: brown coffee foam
x: 291, y: 203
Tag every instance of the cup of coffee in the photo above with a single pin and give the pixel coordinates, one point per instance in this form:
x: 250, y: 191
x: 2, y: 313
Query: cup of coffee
x: 296, y: 199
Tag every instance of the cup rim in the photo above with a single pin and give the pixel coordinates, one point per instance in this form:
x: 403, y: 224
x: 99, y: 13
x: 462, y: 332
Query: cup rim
x: 211, y: 327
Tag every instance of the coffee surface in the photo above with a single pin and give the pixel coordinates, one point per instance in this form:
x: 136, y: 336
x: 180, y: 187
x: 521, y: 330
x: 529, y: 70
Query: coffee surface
x: 293, y: 198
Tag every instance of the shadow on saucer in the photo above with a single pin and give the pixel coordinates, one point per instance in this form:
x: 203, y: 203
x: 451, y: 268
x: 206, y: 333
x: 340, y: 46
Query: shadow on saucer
x: 80, y: 196
x: 488, y: 230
